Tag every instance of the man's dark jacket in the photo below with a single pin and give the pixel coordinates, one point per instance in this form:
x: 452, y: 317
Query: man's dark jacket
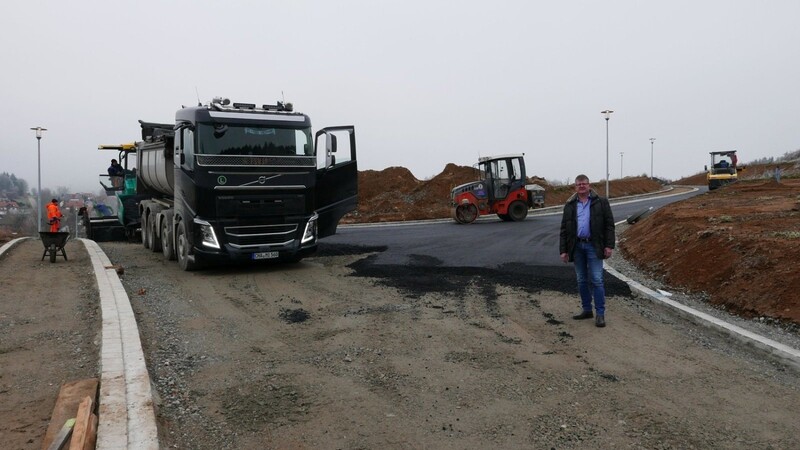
x: 601, y: 225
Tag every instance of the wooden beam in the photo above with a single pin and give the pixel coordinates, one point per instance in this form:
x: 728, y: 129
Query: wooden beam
x: 82, y: 424
x: 69, y: 397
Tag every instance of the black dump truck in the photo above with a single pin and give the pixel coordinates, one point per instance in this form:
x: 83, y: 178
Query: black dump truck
x: 233, y: 182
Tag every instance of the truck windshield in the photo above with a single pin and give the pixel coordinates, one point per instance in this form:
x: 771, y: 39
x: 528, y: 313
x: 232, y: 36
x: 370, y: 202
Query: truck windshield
x: 231, y: 139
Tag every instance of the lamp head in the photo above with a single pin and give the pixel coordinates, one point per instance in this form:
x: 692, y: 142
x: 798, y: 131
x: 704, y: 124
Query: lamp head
x: 38, y: 131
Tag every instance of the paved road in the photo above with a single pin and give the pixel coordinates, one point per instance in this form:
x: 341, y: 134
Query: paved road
x: 487, y: 243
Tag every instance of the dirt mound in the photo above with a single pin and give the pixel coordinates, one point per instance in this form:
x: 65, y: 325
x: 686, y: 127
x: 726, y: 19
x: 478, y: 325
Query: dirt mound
x: 740, y: 244
x: 394, y: 194
x: 694, y: 180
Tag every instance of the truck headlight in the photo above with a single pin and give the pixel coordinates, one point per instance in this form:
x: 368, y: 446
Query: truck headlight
x: 207, y: 235
x: 310, y: 233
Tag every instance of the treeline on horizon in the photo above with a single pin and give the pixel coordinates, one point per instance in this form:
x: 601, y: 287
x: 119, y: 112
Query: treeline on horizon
x: 12, y: 187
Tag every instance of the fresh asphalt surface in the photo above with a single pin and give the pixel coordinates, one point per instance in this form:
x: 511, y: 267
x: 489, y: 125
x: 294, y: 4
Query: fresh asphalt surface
x: 486, y: 243
x: 442, y: 256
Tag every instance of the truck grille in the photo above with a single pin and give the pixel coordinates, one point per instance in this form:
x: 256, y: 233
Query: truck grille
x: 255, y: 161
x: 260, y: 235
x: 243, y: 206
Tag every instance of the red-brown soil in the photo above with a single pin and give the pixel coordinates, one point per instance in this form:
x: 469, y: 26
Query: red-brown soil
x: 739, y: 244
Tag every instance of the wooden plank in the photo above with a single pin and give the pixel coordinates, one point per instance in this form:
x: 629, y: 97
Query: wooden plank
x: 62, y: 436
x: 91, y: 435
x: 69, y: 397
x: 82, y: 421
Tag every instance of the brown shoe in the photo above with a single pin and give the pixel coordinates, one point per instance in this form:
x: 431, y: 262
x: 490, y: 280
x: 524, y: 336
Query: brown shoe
x: 583, y: 315
x: 600, y: 322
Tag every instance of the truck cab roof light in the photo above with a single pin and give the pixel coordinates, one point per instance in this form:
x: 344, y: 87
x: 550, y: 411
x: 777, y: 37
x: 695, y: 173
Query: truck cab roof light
x: 281, y: 106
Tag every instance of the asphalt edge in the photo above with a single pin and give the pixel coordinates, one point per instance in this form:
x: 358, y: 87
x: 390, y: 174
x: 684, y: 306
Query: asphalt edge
x: 782, y: 352
x: 126, y: 409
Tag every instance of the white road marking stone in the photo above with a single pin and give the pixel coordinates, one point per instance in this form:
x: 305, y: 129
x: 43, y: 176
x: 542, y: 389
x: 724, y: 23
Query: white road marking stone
x: 127, y: 416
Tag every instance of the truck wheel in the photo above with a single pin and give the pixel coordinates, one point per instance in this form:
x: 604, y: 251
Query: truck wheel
x: 182, y: 249
x: 167, y: 244
x: 145, y: 239
x: 466, y: 213
x: 504, y: 217
x: 517, y: 211
x: 152, y: 233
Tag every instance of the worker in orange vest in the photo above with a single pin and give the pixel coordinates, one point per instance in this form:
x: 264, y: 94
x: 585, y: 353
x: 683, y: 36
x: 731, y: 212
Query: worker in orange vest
x: 54, y: 216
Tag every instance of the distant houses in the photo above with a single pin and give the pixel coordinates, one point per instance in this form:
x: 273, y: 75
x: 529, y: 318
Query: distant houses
x: 8, y: 206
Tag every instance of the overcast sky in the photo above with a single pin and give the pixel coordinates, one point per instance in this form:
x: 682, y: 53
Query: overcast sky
x: 425, y: 83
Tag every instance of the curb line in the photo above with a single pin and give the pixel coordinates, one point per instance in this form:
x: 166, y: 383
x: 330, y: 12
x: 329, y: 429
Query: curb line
x: 10, y: 244
x: 783, y: 352
x: 127, y: 414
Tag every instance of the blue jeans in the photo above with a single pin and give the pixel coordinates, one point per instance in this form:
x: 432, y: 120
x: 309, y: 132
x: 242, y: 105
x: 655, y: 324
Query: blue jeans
x: 589, y: 269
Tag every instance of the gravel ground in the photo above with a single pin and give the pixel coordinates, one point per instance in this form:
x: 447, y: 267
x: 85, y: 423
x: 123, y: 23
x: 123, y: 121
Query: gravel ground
x: 337, y: 352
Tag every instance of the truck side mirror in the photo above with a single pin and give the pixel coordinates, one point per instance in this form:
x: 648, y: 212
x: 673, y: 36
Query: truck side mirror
x: 331, y: 143
x: 330, y: 149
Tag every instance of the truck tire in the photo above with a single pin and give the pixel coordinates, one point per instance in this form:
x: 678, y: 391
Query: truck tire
x: 504, y: 217
x: 152, y: 233
x: 517, y: 211
x: 466, y: 213
x: 182, y: 250
x: 145, y: 231
x: 167, y: 243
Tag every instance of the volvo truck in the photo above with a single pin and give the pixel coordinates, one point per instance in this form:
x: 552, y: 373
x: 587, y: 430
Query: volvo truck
x: 237, y: 182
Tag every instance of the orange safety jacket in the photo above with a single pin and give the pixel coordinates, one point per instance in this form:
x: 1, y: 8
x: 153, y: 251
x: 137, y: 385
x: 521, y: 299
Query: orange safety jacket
x: 53, y: 212
x: 53, y: 216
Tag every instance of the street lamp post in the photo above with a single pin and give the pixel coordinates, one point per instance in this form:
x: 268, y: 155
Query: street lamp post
x: 651, y: 156
x: 38, y: 131
x: 608, y: 173
x: 620, y: 164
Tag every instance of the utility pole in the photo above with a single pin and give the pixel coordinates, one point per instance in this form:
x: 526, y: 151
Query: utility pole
x: 651, y: 156
x: 608, y: 173
x: 38, y: 131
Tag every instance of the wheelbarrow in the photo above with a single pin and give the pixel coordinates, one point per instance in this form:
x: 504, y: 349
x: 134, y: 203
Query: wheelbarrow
x: 53, y: 243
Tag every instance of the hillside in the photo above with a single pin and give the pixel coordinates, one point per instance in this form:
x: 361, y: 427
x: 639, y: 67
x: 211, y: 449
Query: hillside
x: 738, y: 244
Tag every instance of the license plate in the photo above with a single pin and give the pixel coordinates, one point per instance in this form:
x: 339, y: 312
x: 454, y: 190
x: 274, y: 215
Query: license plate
x: 265, y: 255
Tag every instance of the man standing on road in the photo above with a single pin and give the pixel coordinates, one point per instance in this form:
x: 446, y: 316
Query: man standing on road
x: 587, y: 238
